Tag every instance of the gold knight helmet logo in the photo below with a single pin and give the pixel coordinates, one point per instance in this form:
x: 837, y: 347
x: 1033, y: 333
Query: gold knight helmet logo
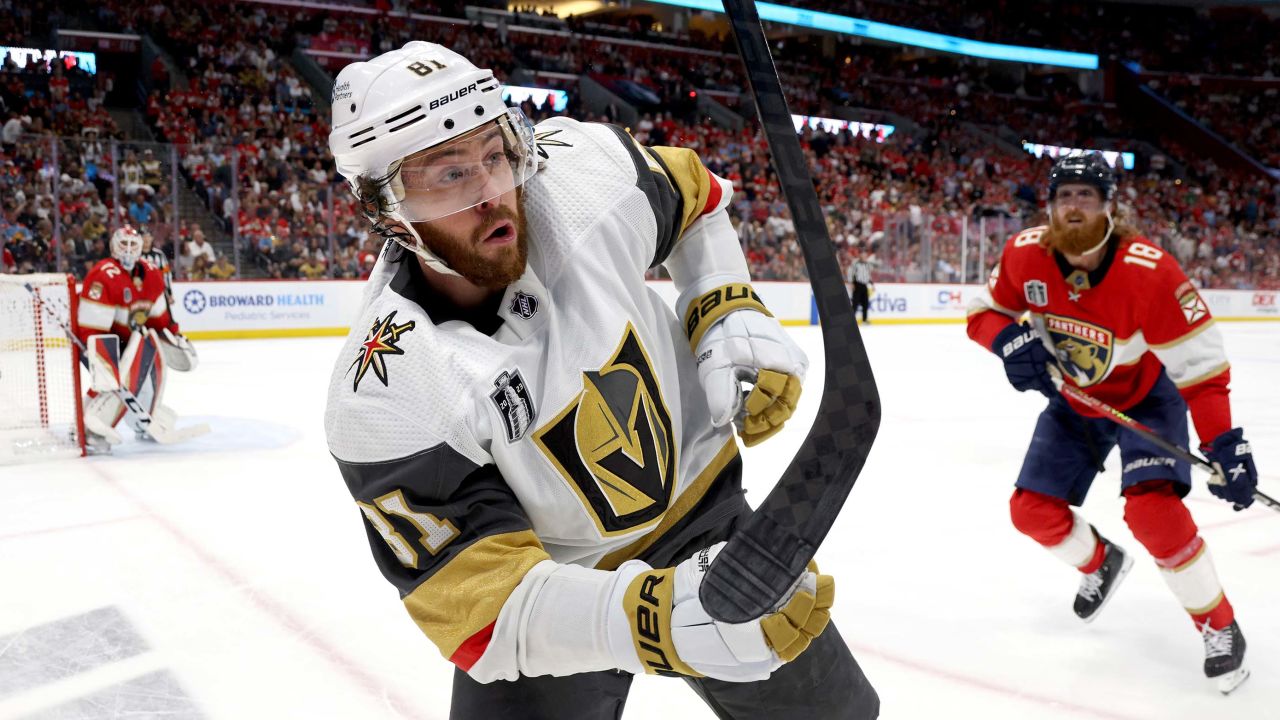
x: 614, y: 443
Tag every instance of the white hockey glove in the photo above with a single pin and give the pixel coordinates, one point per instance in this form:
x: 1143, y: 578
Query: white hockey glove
x: 179, y: 353
x: 736, y: 339
x: 661, y: 627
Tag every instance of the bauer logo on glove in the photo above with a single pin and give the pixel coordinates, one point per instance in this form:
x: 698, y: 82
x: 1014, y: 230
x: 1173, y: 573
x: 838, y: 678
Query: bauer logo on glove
x: 736, y: 340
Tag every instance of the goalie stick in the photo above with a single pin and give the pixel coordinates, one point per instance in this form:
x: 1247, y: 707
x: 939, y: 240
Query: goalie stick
x: 1058, y: 372
x: 769, y: 551
x: 164, y: 437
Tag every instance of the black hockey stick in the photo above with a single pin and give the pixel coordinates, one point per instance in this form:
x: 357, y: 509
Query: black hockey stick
x: 768, y: 552
x: 1124, y: 421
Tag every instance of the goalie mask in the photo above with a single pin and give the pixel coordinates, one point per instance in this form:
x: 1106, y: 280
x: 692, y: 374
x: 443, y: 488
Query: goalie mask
x: 126, y: 247
x: 420, y: 133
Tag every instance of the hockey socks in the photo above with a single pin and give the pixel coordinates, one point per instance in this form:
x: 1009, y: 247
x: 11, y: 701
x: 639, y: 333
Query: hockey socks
x: 1052, y: 523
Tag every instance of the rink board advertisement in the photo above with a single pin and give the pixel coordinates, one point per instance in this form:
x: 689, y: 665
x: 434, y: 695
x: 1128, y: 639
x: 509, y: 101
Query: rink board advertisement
x: 268, y: 308
x: 278, y: 308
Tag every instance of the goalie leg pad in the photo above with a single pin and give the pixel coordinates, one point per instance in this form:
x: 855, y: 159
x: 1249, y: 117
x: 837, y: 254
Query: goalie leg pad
x: 101, y: 413
x: 104, y: 362
x: 144, y: 369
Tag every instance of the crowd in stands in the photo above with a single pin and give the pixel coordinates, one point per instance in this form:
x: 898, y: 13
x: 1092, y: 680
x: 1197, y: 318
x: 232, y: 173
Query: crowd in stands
x: 251, y: 141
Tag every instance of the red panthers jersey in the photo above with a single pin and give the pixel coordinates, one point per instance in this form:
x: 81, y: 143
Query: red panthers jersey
x: 1115, y: 327
x: 115, y: 300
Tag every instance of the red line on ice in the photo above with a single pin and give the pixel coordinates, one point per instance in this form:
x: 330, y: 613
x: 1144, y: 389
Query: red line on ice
x: 270, y: 606
x: 990, y: 687
x: 61, y: 528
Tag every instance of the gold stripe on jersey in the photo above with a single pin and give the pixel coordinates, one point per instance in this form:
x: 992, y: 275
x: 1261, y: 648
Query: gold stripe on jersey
x: 1181, y: 339
x: 984, y: 303
x: 464, y: 596
x: 688, y: 499
x: 1211, y: 372
x: 685, y: 171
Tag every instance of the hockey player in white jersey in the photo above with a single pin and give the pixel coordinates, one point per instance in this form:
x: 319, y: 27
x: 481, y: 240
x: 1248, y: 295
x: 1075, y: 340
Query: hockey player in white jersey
x: 543, y: 454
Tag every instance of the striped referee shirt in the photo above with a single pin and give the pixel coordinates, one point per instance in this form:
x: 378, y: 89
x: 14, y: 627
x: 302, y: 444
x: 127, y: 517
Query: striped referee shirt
x: 860, y: 272
x: 158, y: 260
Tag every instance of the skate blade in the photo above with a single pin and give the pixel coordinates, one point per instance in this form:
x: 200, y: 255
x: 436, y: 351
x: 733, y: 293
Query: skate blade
x: 1124, y: 571
x: 1232, y: 680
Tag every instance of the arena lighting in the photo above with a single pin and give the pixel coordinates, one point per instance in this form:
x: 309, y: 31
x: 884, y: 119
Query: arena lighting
x: 1054, y: 151
x: 20, y: 56
x: 875, y: 131
x: 904, y: 36
x: 538, y: 96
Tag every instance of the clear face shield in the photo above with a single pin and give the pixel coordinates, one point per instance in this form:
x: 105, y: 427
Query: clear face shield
x: 482, y: 165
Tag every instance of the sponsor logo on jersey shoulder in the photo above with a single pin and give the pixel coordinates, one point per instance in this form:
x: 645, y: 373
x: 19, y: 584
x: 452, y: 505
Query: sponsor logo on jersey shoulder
x: 1036, y: 291
x: 378, y: 344
x: 524, y: 305
x: 1084, y: 348
x: 511, y: 397
x: 614, y: 443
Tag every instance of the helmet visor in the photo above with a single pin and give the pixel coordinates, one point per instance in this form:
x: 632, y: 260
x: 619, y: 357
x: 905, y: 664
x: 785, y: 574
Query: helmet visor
x: 477, y: 167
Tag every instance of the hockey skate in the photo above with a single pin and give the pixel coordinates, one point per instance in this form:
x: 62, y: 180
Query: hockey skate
x: 1224, y: 656
x: 1097, y: 587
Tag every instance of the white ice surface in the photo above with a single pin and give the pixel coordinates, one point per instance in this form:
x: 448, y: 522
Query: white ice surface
x: 242, y: 564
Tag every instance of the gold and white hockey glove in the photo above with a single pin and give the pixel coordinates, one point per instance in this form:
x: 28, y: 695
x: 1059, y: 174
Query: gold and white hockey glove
x: 736, y: 339
x: 668, y: 632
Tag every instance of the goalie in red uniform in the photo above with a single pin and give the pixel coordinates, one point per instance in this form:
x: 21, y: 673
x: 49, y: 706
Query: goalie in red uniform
x: 123, y: 302
x: 1131, y: 330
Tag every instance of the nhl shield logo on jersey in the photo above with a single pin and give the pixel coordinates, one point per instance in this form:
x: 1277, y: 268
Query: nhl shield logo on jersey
x: 1036, y: 291
x: 523, y: 304
x: 614, y: 444
x: 380, y: 342
x: 511, y: 396
x: 1084, y: 349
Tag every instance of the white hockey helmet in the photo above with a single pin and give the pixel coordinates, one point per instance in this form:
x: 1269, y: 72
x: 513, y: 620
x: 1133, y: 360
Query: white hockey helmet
x: 394, y: 118
x: 126, y: 246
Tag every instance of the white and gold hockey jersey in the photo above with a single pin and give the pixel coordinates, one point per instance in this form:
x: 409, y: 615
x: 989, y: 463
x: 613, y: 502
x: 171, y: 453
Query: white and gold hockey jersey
x: 567, y: 427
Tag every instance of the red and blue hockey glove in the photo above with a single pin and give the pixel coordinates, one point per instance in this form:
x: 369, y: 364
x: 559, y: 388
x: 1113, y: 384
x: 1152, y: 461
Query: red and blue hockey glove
x: 1026, y: 361
x: 1237, y: 476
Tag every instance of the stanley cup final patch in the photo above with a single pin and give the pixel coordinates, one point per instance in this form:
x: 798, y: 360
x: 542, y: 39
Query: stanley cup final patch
x: 511, y: 397
x: 1036, y: 291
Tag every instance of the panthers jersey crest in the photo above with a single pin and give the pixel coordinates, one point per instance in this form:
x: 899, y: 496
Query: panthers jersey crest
x: 1085, y: 349
x: 614, y: 444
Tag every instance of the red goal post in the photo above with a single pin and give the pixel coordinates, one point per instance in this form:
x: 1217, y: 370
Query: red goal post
x: 40, y: 402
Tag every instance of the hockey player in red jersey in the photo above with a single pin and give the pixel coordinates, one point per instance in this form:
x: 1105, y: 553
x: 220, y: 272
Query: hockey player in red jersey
x: 1132, y: 331
x: 123, y: 304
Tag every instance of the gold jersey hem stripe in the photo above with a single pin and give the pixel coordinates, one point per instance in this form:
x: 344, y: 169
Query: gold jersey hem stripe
x: 464, y: 596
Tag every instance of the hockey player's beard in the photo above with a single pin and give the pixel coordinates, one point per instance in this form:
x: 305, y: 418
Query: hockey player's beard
x: 1075, y: 239
x: 463, y: 255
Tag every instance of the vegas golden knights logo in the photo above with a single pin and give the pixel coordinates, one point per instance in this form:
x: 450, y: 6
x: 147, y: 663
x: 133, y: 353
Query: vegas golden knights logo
x: 1085, y: 349
x: 614, y: 443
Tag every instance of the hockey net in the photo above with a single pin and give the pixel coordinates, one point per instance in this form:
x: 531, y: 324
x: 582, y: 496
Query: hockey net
x: 40, y: 412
